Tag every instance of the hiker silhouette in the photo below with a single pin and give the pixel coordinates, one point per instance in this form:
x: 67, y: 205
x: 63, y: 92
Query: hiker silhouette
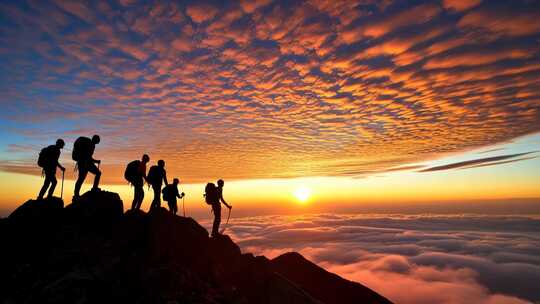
x: 135, y: 174
x: 156, y: 175
x: 48, y: 160
x: 83, y: 151
x: 170, y: 194
x: 214, y: 197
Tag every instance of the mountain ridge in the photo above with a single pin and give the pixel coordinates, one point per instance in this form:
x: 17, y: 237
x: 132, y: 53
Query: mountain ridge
x: 91, y: 251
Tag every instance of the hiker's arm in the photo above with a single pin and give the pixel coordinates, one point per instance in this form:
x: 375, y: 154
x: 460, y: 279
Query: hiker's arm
x: 165, y: 177
x: 58, y: 163
x: 97, y: 161
x: 225, y: 203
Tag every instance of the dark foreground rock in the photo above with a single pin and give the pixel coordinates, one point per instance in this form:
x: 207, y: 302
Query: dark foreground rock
x: 90, y: 252
x: 311, y: 278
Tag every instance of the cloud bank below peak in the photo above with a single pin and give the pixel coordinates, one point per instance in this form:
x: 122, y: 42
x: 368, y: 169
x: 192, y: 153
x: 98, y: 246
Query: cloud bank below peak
x: 411, y: 259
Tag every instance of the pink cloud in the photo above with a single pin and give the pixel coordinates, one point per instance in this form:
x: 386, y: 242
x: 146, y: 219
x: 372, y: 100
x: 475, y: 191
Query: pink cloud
x: 413, y: 16
x: 502, y: 22
x: 408, y: 259
x: 281, y: 87
x: 460, y: 5
x: 201, y: 12
x: 249, y: 6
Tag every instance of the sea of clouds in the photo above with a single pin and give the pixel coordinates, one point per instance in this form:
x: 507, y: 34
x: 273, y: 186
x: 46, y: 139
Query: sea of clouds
x: 411, y: 259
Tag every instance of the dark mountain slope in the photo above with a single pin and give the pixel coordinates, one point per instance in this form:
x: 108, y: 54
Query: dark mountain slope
x: 90, y: 252
x: 321, y: 284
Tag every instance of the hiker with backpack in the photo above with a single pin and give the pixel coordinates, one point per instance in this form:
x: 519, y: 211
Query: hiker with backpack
x: 135, y: 174
x: 214, y: 197
x: 157, y: 175
x: 48, y: 160
x: 83, y: 152
x: 170, y: 194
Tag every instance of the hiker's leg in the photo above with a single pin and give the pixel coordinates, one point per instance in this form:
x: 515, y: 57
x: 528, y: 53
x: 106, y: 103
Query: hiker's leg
x: 94, y: 170
x: 96, y: 180
x: 135, y: 197
x: 217, y: 219
x: 175, y: 208
x: 134, y: 203
x: 80, y: 180
x: 157, y: 191
x: 141, y: 196
x: 156, y: 202
x: 138, y: 195
x: 53, y: 185
x: 46, y: 183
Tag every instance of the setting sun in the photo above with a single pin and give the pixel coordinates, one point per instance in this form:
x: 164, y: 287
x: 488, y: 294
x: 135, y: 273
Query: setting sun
x: 302, y: 194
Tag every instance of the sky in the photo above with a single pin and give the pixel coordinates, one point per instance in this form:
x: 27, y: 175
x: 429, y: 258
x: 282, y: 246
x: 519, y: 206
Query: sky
x: 399, y: 141
x: 349, y: 102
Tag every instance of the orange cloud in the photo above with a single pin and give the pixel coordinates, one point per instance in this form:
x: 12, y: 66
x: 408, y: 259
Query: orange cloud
x: 201, y: 12
x: 283, y: 90
x: 413, y: 16
x: 503, y: 21
x: 460, y: 5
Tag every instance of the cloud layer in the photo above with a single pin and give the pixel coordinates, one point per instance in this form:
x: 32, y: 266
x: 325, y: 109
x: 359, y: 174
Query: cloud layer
x: 280, y: 87
x: 411, y: 259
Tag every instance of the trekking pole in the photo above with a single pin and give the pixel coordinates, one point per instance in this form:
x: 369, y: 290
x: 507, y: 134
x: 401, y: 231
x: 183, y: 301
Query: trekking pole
x: 227, y: 222
x: 62, y: 188
x: 184, y: 204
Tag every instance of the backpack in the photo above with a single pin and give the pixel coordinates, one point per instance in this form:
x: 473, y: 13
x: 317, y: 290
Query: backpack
x: 167, y: 193
x: 210, y: 194
x: 132, y: 171
x: 47, y: 157
x: 154, y: 175
x: 81, y: 148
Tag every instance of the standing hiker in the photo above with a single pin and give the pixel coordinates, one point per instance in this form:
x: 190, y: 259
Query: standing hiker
x: 83, y: 151
x: 48, y: 160
x: 135, y: 174
x: 170, y: 194
x: 157, y: 175
x: 214, y: 197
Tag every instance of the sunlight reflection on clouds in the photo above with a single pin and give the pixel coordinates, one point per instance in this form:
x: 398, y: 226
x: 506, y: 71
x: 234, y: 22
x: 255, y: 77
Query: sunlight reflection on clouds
x: 411, y: 259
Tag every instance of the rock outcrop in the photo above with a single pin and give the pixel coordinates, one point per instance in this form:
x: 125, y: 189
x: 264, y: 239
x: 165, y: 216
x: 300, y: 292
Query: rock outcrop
x: 91, y: 252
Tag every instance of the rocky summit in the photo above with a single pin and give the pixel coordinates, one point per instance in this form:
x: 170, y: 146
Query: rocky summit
x: 92, y: 252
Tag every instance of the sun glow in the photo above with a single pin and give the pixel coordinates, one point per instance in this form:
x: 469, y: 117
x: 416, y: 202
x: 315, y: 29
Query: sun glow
x: 302, y: 194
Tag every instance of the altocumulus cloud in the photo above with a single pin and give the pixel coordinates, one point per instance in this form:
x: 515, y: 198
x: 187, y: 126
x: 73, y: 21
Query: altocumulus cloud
x: 291, y: 88
x: 411, y: 259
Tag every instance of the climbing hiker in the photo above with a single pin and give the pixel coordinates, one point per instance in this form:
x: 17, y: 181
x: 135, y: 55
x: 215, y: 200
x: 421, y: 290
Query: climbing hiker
x: 48, y: 160
x: 214, y: 197
x: 83, y: 151
x: 135, y: 174
x: 170, y: 194
x: 157, y: 175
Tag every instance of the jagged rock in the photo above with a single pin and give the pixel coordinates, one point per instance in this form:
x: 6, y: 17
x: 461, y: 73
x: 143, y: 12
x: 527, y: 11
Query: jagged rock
x: 323, y: 285
x: 99, y: 207
x: 91, y: 253
x: 37, y: 210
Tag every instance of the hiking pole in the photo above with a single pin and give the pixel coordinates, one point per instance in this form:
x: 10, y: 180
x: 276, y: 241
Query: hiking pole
x: 184, y: 204
x: 227, y: 222
x: 62, y: 187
